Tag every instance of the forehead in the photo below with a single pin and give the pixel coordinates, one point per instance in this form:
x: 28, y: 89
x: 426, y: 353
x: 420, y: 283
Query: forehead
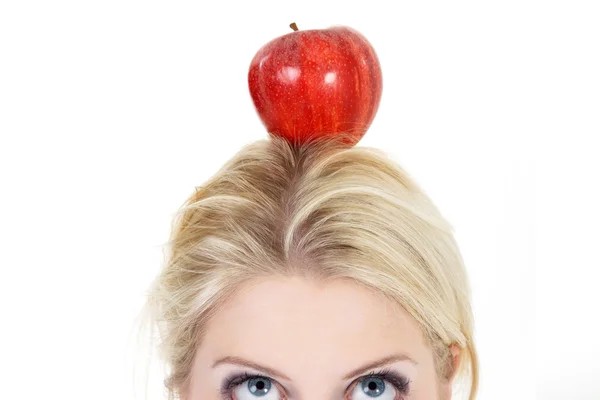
x: 293, y: 324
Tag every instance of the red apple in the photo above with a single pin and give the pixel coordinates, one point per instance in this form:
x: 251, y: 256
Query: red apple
x: 313, y: 83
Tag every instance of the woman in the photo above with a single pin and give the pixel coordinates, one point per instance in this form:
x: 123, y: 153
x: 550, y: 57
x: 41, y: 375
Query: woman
x: 313, y: 272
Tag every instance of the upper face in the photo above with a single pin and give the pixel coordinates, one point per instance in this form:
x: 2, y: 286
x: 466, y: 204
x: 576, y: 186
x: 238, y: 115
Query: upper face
x: 312, y: 342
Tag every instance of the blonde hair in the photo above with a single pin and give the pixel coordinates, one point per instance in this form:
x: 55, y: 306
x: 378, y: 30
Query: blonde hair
x: 323, y: 210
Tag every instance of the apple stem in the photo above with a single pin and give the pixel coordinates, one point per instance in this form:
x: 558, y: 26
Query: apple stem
x: 294, y: 26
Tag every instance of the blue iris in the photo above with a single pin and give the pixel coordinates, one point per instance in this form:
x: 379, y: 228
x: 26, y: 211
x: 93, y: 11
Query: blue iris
x: 259, y: 386
x: 373, y: 387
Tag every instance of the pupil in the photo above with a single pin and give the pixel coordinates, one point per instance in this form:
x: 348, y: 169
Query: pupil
x: 260, y: 385
x: 372, y: 385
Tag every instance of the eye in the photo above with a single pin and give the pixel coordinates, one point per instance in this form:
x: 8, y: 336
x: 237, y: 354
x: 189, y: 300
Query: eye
x: 370, y: 388
x: 381, y: 385
x: 257, y: 388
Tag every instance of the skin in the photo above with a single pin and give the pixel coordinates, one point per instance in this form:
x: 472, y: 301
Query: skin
x: 314, y: 335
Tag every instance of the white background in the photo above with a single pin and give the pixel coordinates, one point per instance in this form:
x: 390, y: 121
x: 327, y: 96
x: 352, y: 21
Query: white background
x: 112, y: 111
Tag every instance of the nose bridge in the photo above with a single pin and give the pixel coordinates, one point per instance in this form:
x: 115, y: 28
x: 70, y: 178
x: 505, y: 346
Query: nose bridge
x: 315, y: 383
x: 315, y: 374
x: 323, y: 392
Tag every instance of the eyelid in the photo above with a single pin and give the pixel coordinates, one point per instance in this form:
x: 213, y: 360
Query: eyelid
x: 355, y: 382
x: 247, y: 375
x: 399, y: 381
x: 387, y: 374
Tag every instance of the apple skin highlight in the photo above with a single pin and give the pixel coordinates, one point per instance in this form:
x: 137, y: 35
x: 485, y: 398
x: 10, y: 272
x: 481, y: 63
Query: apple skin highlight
x: 313, y: 83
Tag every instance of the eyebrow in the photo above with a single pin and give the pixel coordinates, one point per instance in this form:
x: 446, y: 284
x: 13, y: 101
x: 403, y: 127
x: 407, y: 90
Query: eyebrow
x: 250, y: 364
x: 380, y: 363
x: 276, y: 374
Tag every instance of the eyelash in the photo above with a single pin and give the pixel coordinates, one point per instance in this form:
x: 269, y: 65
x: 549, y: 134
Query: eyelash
x: 400, y: 383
